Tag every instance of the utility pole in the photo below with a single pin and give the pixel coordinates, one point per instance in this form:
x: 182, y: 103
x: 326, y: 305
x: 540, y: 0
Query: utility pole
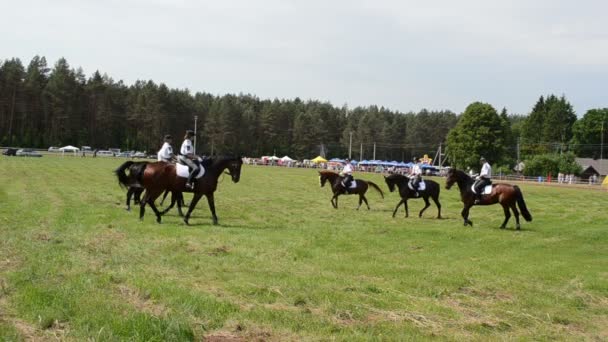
x: 440, y: 163
x: 374, y: 158
x: 195, y: 118
x: 518, y: 168
x: 350, y: 146
x: 361, y: 153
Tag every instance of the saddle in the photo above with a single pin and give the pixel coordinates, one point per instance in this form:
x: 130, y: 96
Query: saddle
x: 485, y: 191
x: 184, y: 170
x: 421, y: 186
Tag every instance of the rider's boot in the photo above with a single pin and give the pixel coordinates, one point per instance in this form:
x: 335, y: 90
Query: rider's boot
x: 189, y: 183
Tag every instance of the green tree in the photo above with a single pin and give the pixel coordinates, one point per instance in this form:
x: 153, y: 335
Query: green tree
x: 587, y: 133
x: 480, y: 131
x: 548, y: 125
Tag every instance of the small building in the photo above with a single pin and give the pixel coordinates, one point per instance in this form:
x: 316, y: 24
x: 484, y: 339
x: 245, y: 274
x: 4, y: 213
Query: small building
x: 592, y: 167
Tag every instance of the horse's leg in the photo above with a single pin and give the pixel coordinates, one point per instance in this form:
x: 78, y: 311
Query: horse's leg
x: 397, y: 207
x: 426, y: 204
x: 129, y: 194
x: 142, y: 206
x: 360, y: 201
x: 180, y: 202
x: 195, y: 199
x: 334, y: 200
x: 436, y: 200
x: 152, y: 196
x: 174, y: 199
x: 505, y: 208
x: 516, y: 212
x: 365, y: 200
x: 165, y: 196
x: 211, y: 201
x: 407, y: 210
x: 465, y: 215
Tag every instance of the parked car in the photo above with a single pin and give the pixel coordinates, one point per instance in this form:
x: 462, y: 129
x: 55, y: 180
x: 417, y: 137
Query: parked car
x: 54, y: 149
x: 27, y: 152
x: 139, y: 154
x: 10, y: 152
x: 125, y: 154
x: 105, y: 154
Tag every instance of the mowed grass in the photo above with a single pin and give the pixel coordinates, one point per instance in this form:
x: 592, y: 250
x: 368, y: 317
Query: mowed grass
x: 284, y: 265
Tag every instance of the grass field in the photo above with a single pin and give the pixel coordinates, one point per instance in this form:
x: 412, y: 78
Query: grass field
x: 284, y: 265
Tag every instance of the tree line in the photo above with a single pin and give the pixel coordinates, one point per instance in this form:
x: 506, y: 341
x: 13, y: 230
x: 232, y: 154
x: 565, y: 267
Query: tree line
x: 42, y: 106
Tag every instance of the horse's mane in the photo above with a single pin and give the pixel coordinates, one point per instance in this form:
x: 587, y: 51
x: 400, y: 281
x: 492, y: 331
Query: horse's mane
x: 397, y: 177
x: 328, y: 173
x: 461, y: 174
x: 217, y: 159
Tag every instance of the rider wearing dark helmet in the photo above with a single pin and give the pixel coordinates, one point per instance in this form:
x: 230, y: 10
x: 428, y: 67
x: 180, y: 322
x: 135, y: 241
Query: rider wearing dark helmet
x: 186, y: 156
x: 415, y: 175
x: 484, y: 178
x: 347, y: 173
x: 166, y: 151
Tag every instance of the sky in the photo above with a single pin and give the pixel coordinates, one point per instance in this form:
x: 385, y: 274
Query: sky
x: 404, y: 55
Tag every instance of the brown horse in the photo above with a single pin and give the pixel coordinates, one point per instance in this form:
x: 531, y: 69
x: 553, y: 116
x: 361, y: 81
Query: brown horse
x: 161, y: 176
x: 505, y: 194
x: 338, y: 189
x: 133, y: 181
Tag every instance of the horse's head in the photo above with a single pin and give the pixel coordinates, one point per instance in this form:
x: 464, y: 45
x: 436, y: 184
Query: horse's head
x: 322, y: 178
x: 390, y: 182
x: 234, y: 169
x: 451, y: 178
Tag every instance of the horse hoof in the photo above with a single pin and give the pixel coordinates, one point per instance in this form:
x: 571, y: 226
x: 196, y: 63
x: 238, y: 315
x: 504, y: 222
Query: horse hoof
x: 502, y: 227
x: 215, y: 223
x: 186, y: 222
x: 518, y: 227
x: 128, y: 209
x: 158, y: 220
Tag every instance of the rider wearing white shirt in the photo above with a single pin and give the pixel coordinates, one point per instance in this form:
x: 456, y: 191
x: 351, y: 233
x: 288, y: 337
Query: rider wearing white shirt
x: 484, y: 178
x: 186, y: 156
x: 166, y: 151
x: 347, y: 173
x: 415, y: 175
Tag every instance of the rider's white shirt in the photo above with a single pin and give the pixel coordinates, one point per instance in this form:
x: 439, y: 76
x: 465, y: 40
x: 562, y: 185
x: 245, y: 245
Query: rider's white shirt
x: 486, y: 171
x: 186, y: 148
x: 416, y: 170
x: 348, y: 169
x: 165, y: 152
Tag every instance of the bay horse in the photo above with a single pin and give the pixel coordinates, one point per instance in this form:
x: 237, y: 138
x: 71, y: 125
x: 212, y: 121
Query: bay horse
x: 509, y: 196
x: 161, y: 176
x: 335, y: 180
x: 402, y: 182
x: 132, y: 181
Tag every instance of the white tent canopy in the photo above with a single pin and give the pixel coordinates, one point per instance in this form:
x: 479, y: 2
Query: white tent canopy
x: 287, y: 159
x: 69, y: 148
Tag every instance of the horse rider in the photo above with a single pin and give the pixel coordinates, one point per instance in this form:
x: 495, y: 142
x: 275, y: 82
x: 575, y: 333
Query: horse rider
x: 166, y: 151
x: 347, y: 173
x: 415, y: 176
x: 187, y: 157
x: 484, y: 178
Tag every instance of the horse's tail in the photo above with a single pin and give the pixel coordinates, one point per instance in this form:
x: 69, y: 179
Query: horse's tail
x: 123, y: 179
x: 522, y: 205
x: 373, y: 185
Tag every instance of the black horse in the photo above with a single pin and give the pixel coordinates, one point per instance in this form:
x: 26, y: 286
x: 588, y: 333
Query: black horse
x: 402, y: 182
x: 507, y: 195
